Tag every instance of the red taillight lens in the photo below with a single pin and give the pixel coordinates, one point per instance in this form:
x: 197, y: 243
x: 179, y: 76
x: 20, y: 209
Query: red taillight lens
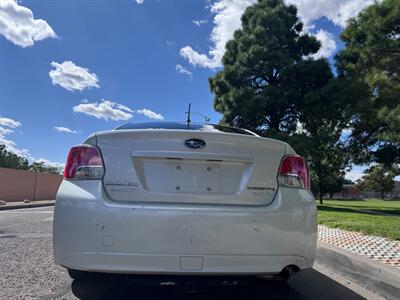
x: 293, y: 172
x: 84, y: 162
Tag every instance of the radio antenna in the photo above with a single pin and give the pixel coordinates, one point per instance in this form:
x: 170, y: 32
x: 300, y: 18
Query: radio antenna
x: 189, y: 113
x: 188, y: 117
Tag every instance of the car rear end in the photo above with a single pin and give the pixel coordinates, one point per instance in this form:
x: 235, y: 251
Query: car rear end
x: 160, y: 201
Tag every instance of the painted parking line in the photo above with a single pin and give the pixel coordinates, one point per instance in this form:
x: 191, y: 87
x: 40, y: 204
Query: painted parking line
x: 32, y: 210
x: 25, y: 235
x: 20, y: 211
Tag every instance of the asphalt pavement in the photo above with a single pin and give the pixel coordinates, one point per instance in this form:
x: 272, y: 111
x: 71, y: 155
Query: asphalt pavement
x: 28, y: 272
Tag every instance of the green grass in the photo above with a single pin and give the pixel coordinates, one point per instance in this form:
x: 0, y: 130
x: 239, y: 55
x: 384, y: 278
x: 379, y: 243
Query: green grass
x: 387, y: 206
x: 348, y: 215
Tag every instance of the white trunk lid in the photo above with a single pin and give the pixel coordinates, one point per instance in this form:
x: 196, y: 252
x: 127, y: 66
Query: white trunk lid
x: 157, y: 166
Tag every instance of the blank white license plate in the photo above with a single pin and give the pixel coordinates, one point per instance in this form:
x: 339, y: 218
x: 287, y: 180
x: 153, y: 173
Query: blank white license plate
x: 193, y: 176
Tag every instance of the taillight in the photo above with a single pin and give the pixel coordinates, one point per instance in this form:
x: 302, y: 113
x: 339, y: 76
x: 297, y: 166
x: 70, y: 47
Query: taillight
x: 293, y: 172
x: 84, y: 162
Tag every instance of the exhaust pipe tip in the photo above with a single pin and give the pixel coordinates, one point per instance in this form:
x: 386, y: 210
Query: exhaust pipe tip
x: 288, y: 271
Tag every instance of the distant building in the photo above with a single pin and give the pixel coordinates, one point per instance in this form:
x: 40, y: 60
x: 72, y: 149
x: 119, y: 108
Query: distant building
x: 350, y: 191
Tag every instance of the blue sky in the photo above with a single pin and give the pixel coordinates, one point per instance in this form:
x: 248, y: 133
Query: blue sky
x: 69, y: 68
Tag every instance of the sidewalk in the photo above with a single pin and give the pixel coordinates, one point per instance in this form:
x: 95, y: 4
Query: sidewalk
x: 18, y: 205
x: 371, y: 261
x: 377, y: 248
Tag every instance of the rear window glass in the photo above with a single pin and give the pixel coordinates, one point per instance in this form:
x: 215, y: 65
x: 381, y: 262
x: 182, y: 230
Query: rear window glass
x: 184, y: 126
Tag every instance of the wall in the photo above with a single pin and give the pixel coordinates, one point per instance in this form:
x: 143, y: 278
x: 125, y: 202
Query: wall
x: 17, y: 185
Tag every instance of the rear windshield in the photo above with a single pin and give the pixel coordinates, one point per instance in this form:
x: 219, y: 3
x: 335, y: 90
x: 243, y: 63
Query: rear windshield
x: 184, y: 126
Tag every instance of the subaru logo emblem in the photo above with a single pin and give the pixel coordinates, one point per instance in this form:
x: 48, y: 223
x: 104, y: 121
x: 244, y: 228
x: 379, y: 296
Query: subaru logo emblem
x: 195, y: 143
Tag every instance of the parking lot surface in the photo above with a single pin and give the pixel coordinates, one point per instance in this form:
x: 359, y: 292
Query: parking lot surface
x: 28, y: 272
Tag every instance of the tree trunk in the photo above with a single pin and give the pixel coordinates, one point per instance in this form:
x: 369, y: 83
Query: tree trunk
x: 274, y: 122
x: 319, y: 184
x: 382, y: 195
x: 274, y: 125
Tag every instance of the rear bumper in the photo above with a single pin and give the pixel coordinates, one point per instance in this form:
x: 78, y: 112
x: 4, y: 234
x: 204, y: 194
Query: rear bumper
x: 95, y: 234
x: 175, y: 264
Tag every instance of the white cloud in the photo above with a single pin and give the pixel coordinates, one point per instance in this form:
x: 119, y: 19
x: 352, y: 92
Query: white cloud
x: 18, y: 25
x: 49, y: 163
x: 150, y: 114
x: 65, y: 129
x: 328, y: 44
x: 11, y: 146
x: 105, y: 110
x: 227, y: 15
x: 9, y: 122
x: 5, y: 131
x: 197, y: 59
x: 72, y: 77
x: 139, y: 1
x: 355, y: 173
x: 337, y: 11
x: 124, y: 107
x: 198, y: 23
x: 226, y: 20
x: 111, y: 110
x: 4, y: 139
x: 182, y: 70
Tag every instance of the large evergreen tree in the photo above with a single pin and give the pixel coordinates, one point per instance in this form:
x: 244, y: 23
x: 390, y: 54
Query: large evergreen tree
x: 323, y: 118
x: 267, y: 72
x: 270, y: 84
x: 372, y: 56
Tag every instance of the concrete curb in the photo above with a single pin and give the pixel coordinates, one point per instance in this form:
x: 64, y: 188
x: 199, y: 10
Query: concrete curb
x: 26, y: 205
x: 379, y: 278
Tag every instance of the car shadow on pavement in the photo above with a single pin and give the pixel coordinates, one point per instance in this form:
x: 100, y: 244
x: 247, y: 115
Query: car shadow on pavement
x: 309, y: 284
x: 126, y: 287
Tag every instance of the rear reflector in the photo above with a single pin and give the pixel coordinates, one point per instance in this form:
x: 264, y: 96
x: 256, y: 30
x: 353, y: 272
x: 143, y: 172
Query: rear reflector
x: 84, y: 162
x: 293, y: 172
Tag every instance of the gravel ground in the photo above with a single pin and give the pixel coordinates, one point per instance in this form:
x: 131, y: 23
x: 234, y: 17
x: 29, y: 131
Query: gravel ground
x: 28, y: 272
x: 26, y: 261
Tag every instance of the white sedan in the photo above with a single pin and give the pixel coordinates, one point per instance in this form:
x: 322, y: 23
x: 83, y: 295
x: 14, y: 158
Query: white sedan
x: 168, y: 198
